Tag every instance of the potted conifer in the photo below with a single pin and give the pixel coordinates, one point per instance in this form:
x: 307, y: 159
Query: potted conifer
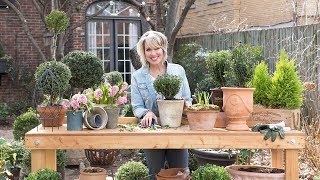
x: 170, y: 108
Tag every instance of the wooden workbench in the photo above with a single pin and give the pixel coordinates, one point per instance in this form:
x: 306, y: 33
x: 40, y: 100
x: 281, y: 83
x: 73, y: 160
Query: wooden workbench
x: 44, y: 142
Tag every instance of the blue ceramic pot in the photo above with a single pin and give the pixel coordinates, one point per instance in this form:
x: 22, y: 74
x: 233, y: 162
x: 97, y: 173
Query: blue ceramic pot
x: 74, y: 120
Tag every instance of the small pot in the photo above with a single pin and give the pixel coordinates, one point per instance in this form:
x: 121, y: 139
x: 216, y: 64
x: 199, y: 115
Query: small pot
x: 89, y: 174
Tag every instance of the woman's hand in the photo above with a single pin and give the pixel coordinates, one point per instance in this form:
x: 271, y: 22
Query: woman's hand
x: 147, y: 119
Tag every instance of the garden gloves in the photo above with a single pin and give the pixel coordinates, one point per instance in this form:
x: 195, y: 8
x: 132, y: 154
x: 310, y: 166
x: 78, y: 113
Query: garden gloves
x: 269, y: 131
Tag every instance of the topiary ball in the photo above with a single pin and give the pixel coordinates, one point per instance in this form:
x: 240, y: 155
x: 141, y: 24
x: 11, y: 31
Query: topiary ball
x: 132, y: 171
x: 44, y: 174
x: 24, y: 123
x: 53, y: 78
x: 114, y: 78
x: 57, y: 21
x: 210, y: 171
x: 86, y: 69
x: 167, y: 85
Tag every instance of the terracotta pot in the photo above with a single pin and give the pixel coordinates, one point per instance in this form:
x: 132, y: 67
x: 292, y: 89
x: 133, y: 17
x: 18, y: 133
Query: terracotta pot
x: 238, y: 105
x: 208, y: 156
x: 101, y: 175
x: 236, y: 174
x: 173, y: 174
x: 51, y: 116
x: 202, y: 120
x: 170, y: 112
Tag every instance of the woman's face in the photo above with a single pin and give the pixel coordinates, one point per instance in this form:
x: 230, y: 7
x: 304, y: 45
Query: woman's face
x: 153, y: 55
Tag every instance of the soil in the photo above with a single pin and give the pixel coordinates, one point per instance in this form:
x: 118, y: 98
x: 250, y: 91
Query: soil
x: 262, y: 170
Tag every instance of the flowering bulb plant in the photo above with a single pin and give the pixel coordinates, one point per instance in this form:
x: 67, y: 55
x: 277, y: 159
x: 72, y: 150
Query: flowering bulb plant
x: 77, y: 102
x: 111, y: 96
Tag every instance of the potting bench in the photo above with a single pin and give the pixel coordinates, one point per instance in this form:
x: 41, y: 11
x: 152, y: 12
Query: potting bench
x: 44, y: 143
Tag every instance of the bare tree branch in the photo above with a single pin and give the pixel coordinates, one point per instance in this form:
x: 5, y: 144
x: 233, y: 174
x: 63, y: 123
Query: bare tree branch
x: 26, y: 29
x: 142, y: 12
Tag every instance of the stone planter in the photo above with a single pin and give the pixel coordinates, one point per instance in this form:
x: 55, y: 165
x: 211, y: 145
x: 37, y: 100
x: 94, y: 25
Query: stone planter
x: 170, y: 112
x: 234, y: 171
x: 220, y: 158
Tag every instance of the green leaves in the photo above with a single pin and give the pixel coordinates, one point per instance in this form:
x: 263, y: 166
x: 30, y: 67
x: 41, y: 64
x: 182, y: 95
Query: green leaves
x: 132, y: 171
x: 210, y: 171
x: 57, y: 21
x: 168, y: 85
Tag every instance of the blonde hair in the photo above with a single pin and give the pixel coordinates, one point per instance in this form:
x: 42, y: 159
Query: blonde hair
x: 153, y: 40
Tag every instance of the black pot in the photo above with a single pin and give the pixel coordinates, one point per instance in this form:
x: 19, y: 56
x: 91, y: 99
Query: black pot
x: 220, y: 158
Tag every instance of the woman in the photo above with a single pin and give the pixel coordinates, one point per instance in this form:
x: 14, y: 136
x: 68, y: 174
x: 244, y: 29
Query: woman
x: 152, y: 49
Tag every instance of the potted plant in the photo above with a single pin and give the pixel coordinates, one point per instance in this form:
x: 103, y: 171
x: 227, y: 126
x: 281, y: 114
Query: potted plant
x: 238, y: 100
x: 24, y: 123
x: 255, y: 172
x: 93, y: 173
x: 52, y: 79
x: 219, y: 157
x: 113, y: 77
x: 132, y: 171
x: 210, y: 171
x: 110, y: 97
x: 279, y: 96
x: 218, y: 63
x: 86, y: 69
x: 44, y: 174
x: 170, y: 109
x: 203, y: 115
x: 75, y: 107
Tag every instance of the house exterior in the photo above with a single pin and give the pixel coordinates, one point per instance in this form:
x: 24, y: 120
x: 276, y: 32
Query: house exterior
x: 212, y: 16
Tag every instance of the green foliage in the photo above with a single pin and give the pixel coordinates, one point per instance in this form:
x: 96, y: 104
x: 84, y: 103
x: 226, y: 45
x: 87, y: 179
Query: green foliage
x: 26, y: 160
x: 24, y: 123
x: 6, y: 153
x: 317, y: 177
x: 54, y: 84
x: 86, y: 69
x: 19, y: 150
x: 192, y: 58
x: 210, y: 171
x: 203, y: 102
x: 44, y: 174
x: 61, y: 158
x: 193, y: 164
x: 218, y: 63
x: 262, y: 82
x: 57, y: 21
x: 127, y: 111
x: 18, y: 107
x: 286, y: 89
x: 4, y: 111
x: 167, y: 85
x: 205, y: 84
x: 132, y: 171
x: 244, y: 59
x: 113, y: 77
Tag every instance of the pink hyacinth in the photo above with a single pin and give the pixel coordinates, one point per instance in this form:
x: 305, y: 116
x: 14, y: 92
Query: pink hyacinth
x: 97, y: 94
x: 113, y: 91
x: 65, y: 104
x: 74, y: 104
x: 88, y: 91
x: 122, y: 100
x: 82, y: 99
x: 124, y: 87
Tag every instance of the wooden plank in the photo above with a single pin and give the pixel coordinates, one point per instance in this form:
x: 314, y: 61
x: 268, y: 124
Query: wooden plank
x: 291, y: 164
x: 157, y: 139
x: 43, y: 158
x: 277, y: 158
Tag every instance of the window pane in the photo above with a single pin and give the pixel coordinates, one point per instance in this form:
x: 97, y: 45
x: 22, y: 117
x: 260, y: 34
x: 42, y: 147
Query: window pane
x: 120, y: 66
x: 128, y: 64
x: 106, y: 66
x: 107, y: 54
x: 99, y: 53
x: 120, y: 54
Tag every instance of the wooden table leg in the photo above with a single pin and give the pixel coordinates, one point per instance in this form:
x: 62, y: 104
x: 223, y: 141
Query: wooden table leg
x: 291, y: 164
x: 277, y: 158
x: 43, y: 158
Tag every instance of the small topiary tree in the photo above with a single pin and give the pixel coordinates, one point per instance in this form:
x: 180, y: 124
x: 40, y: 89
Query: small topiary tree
x: 114, y: 77
x: 86, y: 69
x: 210, y: 171
x: 44, y: 174
x: 286, y: 89
x: 24, y: 123
x: 53, y: 79
x: 167, y: 85
x: 262, y: 82
x: 132, y: 171
x: 218, y: 63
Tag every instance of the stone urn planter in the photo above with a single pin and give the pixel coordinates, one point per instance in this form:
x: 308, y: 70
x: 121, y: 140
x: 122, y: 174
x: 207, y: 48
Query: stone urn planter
x: 170, y: 112
x: 239, y: 172
x: 93, y: 173
x: 238, y: 106
x: 217, y: 157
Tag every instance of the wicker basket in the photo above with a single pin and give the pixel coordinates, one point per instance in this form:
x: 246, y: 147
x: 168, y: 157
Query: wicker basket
x: 101, y: 157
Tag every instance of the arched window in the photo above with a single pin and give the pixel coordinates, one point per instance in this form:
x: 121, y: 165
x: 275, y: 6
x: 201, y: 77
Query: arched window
x: 111, y: 33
